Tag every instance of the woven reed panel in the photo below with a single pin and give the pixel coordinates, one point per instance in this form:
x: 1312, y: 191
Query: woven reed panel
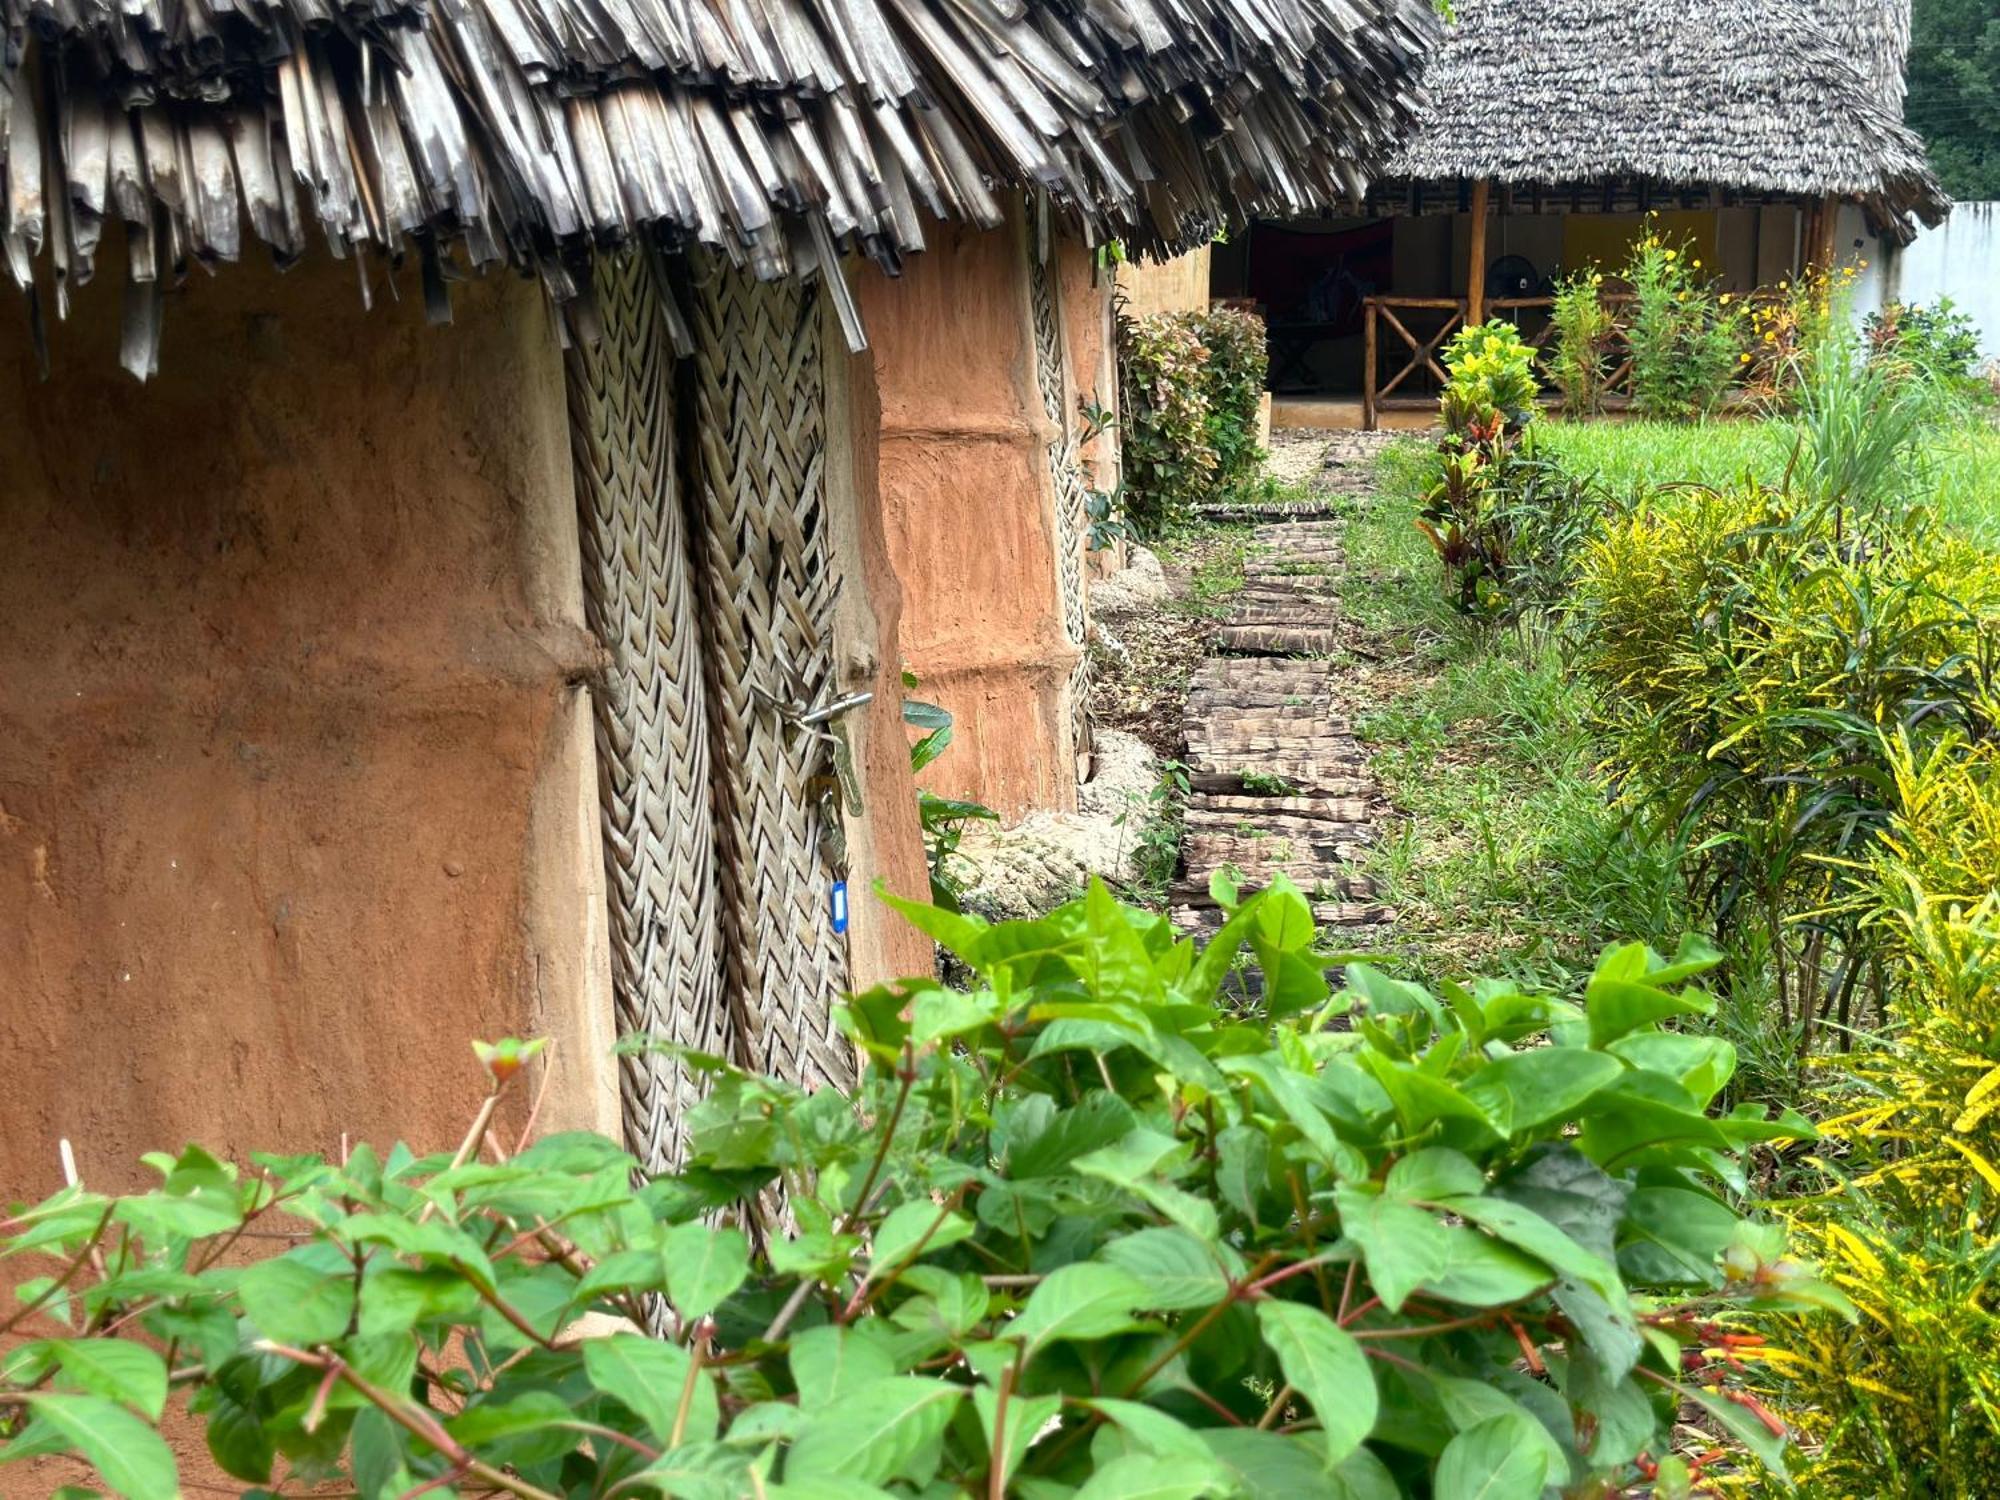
x: 768, y: 584
x: 1066, y: 476
x: 652, y: 727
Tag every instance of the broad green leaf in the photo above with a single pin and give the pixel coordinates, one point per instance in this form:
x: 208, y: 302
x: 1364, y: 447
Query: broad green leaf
x: 1243, y: 1166
x: 911, y: 1228
x: 1153, y: 1431
x: 1115, y: 964
x: 1527, y: 1230
x: 1026, y: 1417
x: 131, y: 1458
x: 1429, y: 1175
x: 874, y: 1431
x: 1501, y: 1458
x: 1699, y: 1064
x: 521, y: 1430
x: 1674, y: 1237
x: 1268, y: 1466
x: 955, y: 1300
x: 394, y: 1299
x: 1140, y: 1476
x: 959, y: 934
x: 1324, y: 1364
x: 1289, y: 1091
x: 829, y: 1361
x: 1572, y: 1192
x: 1618, y: 1000
x: 296, y: 1299
x: 1098, y: 1120
x: 378, y: 1457
x: 694, y: 1471
x: 1643, y: 1116
x: 649, y: 1376
x: 1421, y: 1100
x: 1526, y: 1089
x: 1404, y: 1245
x: 1467, y: 1403
x: 704, y: 1266
x: 237, y: 1438
x: 1480, y: 1272
x: 1363, y: 1476
x: 126, y: 1372
x: 1178, y: 1269
x: 936, y: 1014
x: 1081, y: 1301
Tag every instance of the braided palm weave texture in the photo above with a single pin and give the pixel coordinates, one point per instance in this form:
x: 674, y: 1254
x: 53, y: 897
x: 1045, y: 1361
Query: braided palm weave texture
x: 764, y: 562
x: 652, y: 729
x: 1066, y: 474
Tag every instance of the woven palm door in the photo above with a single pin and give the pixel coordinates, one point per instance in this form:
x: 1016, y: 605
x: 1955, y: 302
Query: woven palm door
x: 1066, y: 477
x: 760, y: 503
x: 654, y: 771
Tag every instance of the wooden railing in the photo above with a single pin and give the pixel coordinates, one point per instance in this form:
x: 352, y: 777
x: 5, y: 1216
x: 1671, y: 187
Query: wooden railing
x: 1422, y: 350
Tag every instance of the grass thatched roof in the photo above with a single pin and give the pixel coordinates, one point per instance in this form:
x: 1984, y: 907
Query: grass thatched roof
x: 1775, y: 96
x: 532, y: 131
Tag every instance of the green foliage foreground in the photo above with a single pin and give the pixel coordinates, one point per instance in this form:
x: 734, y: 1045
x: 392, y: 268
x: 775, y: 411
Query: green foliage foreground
x: 1100, y: 1227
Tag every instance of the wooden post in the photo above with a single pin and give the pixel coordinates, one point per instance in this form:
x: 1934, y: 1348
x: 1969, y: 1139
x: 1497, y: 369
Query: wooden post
x: 1826, y: 230
x: 1368, y: 365
x: 1475, y: 277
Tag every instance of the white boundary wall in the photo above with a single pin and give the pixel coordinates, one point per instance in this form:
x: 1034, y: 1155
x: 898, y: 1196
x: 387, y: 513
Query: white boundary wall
x: 1959, y: 259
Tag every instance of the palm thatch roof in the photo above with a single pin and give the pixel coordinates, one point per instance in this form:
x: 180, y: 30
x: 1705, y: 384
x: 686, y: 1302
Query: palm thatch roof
x: 1778, y: 96
x: 777, y: 132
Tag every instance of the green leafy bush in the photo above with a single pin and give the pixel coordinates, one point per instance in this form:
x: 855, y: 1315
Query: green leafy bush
x: 1502, y: 519
x: 1938, y: 343
x: 1100, y: 1227
x: 1492, y: 372
x: 1583, y: 327
x: 1908, y: 1399
x: 1686, y: 342
x: 1190, y: 385
x: 1750, y: 649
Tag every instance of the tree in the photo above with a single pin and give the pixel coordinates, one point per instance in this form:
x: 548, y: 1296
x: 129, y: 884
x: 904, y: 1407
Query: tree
x: 1954, y: 92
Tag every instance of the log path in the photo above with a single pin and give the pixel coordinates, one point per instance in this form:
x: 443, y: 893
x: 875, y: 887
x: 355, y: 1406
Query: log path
x: 1278, y: 782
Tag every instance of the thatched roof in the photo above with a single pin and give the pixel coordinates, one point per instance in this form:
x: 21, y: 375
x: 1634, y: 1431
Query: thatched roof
x: 776, y: 131
x: 1775, y: 96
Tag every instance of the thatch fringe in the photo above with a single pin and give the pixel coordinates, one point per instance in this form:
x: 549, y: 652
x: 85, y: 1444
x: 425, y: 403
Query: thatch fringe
x: 777, y: 132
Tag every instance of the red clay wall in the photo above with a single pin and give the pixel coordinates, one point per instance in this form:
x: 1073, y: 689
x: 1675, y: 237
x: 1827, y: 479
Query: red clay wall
x: 970, y: 516
x: 295, y: 788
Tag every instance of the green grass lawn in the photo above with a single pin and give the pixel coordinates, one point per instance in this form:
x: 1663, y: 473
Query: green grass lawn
x: 1960, y: 469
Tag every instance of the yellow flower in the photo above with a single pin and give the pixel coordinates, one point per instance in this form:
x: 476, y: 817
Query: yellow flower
x: 1670, y: 255
x: 1726, y: 298
x: 1770, y: 338
x: 1743, y: 359
x: 1697, y: 265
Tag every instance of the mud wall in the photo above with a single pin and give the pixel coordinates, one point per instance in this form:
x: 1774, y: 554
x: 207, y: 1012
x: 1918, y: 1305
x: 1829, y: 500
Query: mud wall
x: 969, y: 512
x: 296, y: 788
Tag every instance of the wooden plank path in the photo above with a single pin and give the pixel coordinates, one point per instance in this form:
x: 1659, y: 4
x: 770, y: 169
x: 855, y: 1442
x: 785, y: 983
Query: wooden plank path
x: 1280, y: 784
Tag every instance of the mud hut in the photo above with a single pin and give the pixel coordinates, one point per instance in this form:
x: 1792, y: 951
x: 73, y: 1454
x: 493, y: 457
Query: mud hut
x: 368, y: 686
x: 1551, y: 130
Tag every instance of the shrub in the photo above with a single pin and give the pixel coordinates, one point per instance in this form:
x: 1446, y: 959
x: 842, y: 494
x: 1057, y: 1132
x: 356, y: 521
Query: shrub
x: 1190, y: 385
x: 1749, y: 653
x: 1583, y: 327
x: 1100, y: 1227
x: 1238, y: 361
x: 1907, y: 1401
x: 1169, y: 461
x: 1936, y: 343
x: 1686, y: 342
x: 1503, y: 520
x: 1791, y: 328
x: 1492, y: 372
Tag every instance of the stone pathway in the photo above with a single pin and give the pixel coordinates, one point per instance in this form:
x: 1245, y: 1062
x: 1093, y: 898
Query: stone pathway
x: 1279, y: 783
